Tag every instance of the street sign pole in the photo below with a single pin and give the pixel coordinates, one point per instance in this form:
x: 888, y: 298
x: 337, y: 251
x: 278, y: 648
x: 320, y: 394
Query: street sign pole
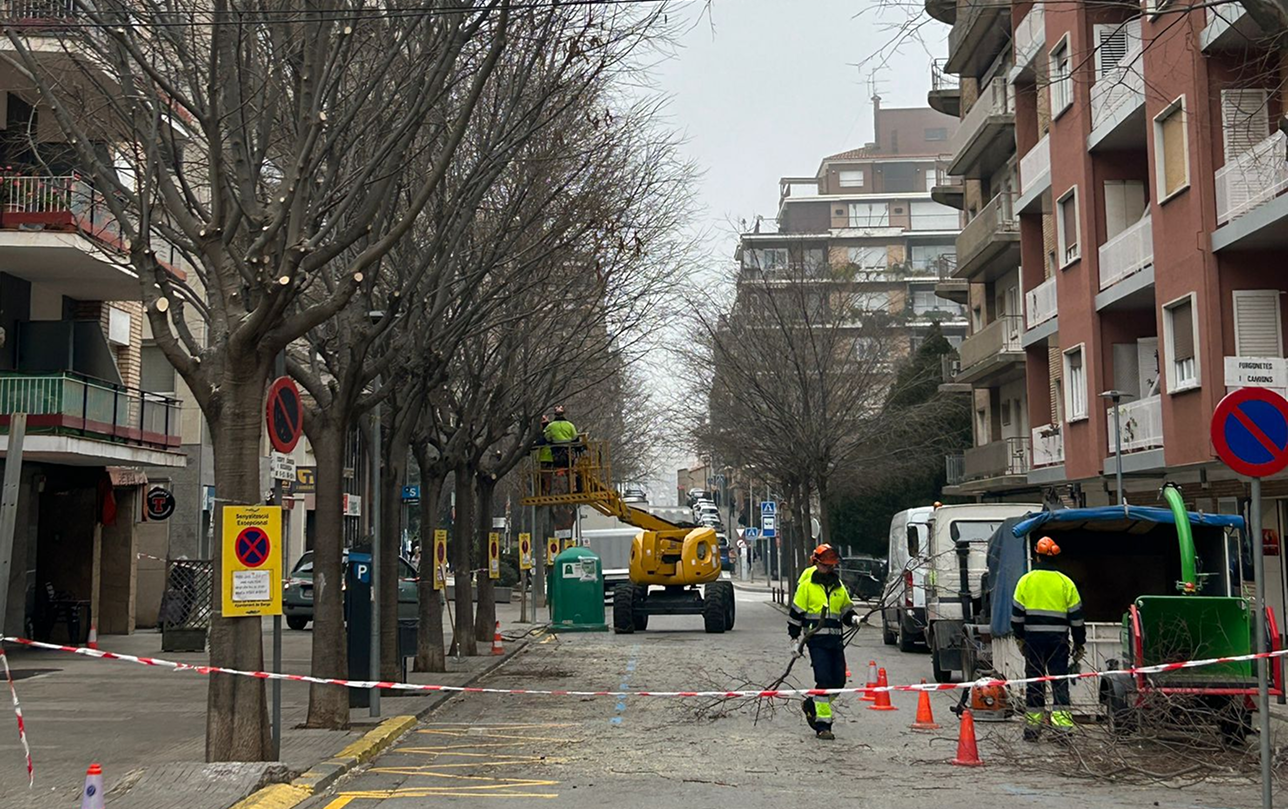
x: 1263, y: 690
x: 279, y: 369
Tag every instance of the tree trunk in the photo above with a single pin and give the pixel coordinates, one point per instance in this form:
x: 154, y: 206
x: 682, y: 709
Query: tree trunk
x: 429, y: 641
x: 237, y: 712
x: 824, y: 513
x: 391, y: 557
x: 329, y: 704
x: 485, y: 620
x: 463, y: 632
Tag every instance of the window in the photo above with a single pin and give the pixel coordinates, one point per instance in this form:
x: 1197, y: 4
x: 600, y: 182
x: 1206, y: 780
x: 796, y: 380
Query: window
x: 929, y: 256
x: 156, y: 374
x: 981, y: 427
x: 1171, y: 150
x: 1067, y: 226
x: 768, y: 258
x: 872, y: 301
x: 1124, y: 205
x: 1117, y: 45
x: 811, y: 259
x: 1075, y: 387
x: 933, y: 216
x: 1245, y: 120
x: 869, y: 214
x: 932, y: 177
x: 1258, y: 331
x: 1006, y: 413
x: 851, y: 179
x: 937, y: 133
x: 1061, y: 78
x: 868, y: 258
x: 1180, y: 330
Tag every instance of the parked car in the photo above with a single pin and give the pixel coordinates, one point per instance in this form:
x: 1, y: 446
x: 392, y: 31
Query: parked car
x: 698, y: 494
x: 864, y: 576
x: 634, y: 494
x: 297, y: 598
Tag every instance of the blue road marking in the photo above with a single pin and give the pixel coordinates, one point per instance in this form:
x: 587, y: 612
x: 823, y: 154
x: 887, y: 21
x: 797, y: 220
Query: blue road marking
x: 625, y: 684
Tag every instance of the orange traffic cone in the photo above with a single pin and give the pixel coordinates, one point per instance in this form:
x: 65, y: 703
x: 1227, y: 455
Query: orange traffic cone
x: 496, y: 641
x: 93, y: 637
x: 967, y: 751
x: 882, y: 702
x: 92, y: 794
x: 868, y: 696
x: 925, y: 719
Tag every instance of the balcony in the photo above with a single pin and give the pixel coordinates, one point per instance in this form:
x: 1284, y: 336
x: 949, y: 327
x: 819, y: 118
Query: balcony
x: 1035, y: 176
x: 990, y: 243
x: 993, y: 351
x: 1127, y: 253
x: 1141, y: 427
x: 997, y: 459
x: 955, y: 468
x: 39, y: 16
x: 1040, y: 303
x: 1029, y: 39
x: 1048, y: 446
x: 950, y: 366
x: 948, y: 286
x: 58, y: 230
x: 949, y: 190
x: 77, y: 420
x: 985, y: 139
x: 1251, y: 209
x: 1229, y: 28
x: 1118, y: 103
x: 980, y: 31
x: 945, y: 95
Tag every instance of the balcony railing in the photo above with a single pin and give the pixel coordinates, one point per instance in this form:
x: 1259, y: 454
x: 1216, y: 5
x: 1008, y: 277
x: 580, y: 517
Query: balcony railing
x: 945, y: 265
x: 1142, y: 424
x: 995, y: 219
x: 941, y: 79
x: 1040, y: 303
x: 38, y: 13
x: 1127, y: 253
x: 1048, y: 446
x: 949, y: 366
x: 1036, y: 164
x: 1030, y: 35
x: 1002, y: 335
x: 1010, y: 456
x: 71, y: 404
x: 1257, y: 175
x: 955, y: 468
x: 68, y: 202
x: 1120, y: 86
x: 995, y: 98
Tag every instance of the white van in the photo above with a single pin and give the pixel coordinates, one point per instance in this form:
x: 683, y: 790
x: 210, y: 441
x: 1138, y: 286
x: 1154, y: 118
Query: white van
x: 971, y: 524
x: 903, y: 610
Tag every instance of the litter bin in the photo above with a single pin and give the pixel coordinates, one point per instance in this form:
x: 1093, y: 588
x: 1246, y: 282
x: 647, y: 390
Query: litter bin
x: 577, y: 592
x: 408, y: 629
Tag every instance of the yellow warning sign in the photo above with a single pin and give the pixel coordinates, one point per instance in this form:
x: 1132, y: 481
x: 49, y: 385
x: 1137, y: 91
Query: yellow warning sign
x: 570, y: 543
x: 494, y: 556
x: 440, y: 558
x: 525, y: 551
x: 552, y: 550
x: 252, y: 561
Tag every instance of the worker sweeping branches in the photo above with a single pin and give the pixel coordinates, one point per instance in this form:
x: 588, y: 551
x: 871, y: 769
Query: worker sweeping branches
x: 821, y: 608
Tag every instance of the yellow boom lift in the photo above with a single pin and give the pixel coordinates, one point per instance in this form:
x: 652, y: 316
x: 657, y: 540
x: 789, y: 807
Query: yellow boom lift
x: 669, y: 561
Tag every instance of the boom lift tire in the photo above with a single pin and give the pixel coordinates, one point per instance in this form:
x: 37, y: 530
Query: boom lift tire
x: 624, y: 608
x: 717, y: 604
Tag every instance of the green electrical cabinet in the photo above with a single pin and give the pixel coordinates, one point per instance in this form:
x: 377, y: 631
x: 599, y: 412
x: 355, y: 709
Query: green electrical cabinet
x: 577, y: 592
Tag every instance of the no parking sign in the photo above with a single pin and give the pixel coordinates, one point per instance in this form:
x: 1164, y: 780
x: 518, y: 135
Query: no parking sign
x: 252, y: 561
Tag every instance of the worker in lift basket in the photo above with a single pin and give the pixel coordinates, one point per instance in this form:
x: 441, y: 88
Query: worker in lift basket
x: 1046, y: 610
x: 821, y: 608
x: 560, y: 434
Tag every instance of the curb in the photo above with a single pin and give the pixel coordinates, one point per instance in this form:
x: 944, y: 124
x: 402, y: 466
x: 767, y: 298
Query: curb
x: 374, y: 742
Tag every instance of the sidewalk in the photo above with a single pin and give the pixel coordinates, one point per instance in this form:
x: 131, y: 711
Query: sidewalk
x: 146, y: 726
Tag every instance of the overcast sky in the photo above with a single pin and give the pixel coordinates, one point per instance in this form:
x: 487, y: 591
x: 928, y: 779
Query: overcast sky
x: 763, y: 89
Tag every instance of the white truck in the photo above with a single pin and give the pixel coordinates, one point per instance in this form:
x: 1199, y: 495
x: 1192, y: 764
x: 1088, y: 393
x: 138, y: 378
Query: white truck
x: 955, y: 531
x: 903, y: 601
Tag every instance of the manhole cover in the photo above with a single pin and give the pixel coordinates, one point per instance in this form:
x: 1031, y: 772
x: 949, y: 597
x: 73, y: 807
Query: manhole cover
x: 27, y: 674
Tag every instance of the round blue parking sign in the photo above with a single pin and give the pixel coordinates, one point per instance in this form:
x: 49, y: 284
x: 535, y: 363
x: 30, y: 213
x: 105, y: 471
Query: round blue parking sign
x: 1250, y: 432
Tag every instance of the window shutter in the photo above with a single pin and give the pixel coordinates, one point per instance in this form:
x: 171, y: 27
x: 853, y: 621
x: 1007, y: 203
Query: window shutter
x: 1111, y: 47
x: 1257, y: 328
x: 1069, y: 216
x: 1174, y: 157
x: 1183, y: 331
x: 1245, y: 120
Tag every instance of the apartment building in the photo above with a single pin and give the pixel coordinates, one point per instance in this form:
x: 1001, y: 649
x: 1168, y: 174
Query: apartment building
x: 1124, y: 172
x: 869, y: 218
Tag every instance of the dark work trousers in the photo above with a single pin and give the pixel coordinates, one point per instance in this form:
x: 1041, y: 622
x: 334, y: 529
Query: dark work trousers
x: 1046, y: 653
x: 828, y: 661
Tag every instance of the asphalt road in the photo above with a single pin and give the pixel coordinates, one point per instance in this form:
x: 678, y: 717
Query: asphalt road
x: 642, y: 752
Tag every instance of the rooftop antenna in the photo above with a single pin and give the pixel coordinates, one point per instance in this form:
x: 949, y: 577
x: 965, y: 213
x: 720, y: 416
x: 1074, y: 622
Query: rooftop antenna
x: 874, y: 92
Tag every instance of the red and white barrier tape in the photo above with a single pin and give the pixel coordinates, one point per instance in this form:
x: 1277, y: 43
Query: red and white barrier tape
x: 22, y: 727
x: 784, y: 692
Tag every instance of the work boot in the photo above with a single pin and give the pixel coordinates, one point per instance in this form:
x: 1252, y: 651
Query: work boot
x: 807, y: 705
x: 1032, y: 734
x: 825, y: 734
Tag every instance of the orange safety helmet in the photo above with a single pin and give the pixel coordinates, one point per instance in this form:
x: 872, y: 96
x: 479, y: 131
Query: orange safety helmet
x: 1047, y: 547
x: 826, y: 554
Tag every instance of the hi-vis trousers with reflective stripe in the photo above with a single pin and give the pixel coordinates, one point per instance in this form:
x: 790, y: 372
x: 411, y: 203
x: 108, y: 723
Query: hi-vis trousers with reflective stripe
x: 1047, y: 653
x: 828, y: 661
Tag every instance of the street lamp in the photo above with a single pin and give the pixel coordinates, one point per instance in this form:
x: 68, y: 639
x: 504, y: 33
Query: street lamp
x: 1116, y: 396
x: 375, y: 316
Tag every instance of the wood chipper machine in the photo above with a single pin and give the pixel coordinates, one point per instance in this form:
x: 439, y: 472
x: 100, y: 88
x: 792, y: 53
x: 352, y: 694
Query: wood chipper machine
x: 1158, y: 585
x: 669, y: 561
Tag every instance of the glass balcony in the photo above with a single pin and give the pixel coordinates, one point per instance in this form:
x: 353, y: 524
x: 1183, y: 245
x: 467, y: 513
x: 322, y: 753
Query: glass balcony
x: 1030, y: 36
x: 1035, y: 168
x: 1257, y: 175
x: 1127, y: 253
x: 1142, y: 424
x: 1048, y: 446
x: 1040, y: 303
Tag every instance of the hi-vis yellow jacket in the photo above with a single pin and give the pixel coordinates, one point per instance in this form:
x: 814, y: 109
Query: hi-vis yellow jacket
x: 821, y: 602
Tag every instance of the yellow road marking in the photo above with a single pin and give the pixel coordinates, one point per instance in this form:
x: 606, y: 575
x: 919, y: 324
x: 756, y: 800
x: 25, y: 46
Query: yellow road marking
x: 443, y: 792
x: 486, y: 735
x: 340, y: 802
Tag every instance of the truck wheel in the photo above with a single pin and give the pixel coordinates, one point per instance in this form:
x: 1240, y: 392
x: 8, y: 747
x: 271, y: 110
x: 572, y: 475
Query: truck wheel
x: 888, y: 636
x: 907, y: 640
x: 624, y: 608
x: 1234, y: 724
x: 297, y: 622
x: 639, y: 618
x: 715, y: 610
x: 941, y: 675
